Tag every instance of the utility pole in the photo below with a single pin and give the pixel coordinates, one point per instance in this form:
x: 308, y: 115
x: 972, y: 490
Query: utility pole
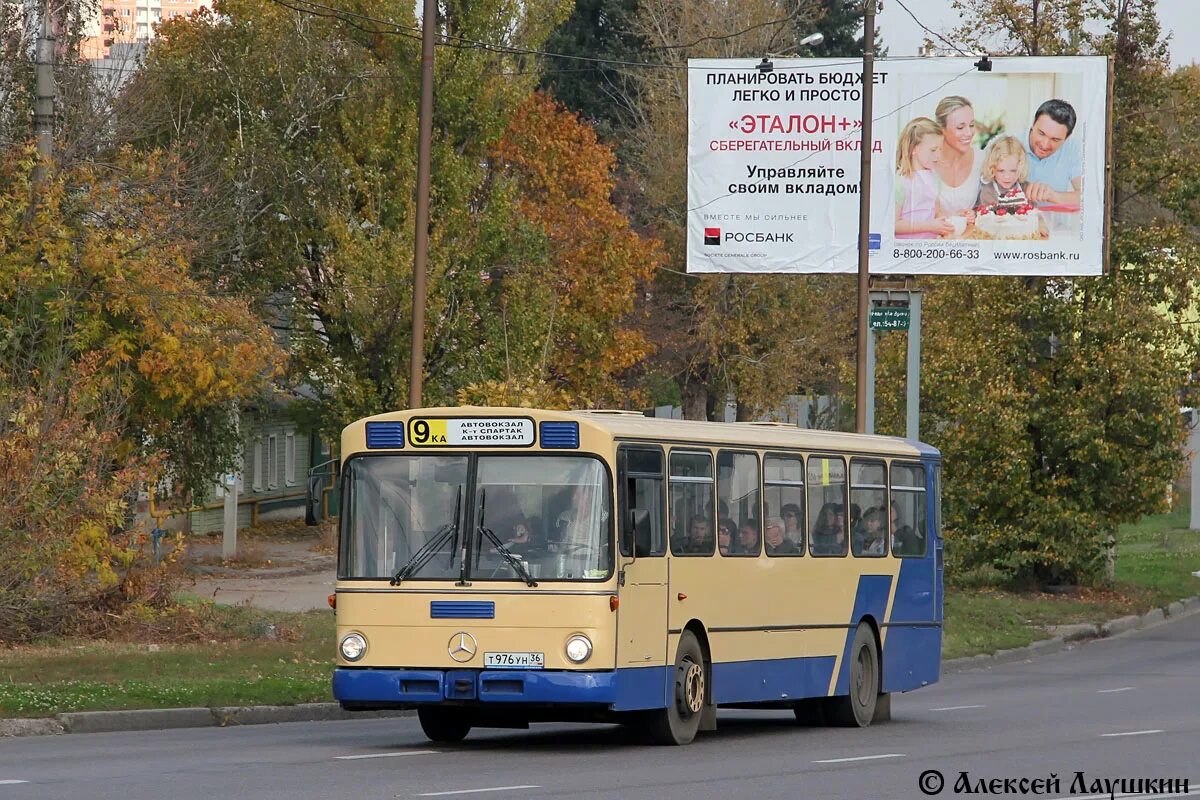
x: 864, y: 215
x: 43, y: 108
x: 421, y: 241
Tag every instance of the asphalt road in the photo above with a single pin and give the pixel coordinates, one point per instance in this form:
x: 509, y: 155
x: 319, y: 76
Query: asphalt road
x: 1116, y: 708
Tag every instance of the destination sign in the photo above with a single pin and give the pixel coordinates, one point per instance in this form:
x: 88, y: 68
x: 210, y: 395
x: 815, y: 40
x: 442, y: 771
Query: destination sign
x: 470, y: 432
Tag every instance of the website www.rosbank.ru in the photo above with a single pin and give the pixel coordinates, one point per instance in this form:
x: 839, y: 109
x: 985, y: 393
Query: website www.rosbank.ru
x: 1061, y: 255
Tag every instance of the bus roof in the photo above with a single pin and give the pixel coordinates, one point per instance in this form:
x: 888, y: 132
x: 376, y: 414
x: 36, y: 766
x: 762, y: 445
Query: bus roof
x: 633, y: 425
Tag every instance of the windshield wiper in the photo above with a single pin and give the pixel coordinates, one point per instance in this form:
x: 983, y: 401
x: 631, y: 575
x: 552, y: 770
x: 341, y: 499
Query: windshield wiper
x: 517, y: 564
x: 429, y: 549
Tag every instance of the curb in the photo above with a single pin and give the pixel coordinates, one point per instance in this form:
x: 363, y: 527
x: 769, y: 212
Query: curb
x: 1066, y: 636
x: 153, y: 719
x: 231, y: 716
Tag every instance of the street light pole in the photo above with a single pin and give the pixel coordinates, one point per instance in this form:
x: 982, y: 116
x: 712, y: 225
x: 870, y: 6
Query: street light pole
x: 864, y: 215
x: 421, y: 240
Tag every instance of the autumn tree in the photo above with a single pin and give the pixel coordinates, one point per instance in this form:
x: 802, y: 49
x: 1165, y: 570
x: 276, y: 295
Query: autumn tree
x: 562, y: 314
x: 117, y: 369
x: 756, y: 337
x: 1055, y: 401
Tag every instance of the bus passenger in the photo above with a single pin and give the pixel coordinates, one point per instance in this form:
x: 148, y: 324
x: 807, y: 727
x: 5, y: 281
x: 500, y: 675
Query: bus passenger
x: 698, y: 539
x: 905, y: 540
x: 725, y: 531
x: 829, y: 534
x: 748, y: 538
x: 777, y: 543
x: 791, y: 522
x: 869, y: 535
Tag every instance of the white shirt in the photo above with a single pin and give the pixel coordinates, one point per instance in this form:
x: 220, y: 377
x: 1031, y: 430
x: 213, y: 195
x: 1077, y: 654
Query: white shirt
x: 954, y: 199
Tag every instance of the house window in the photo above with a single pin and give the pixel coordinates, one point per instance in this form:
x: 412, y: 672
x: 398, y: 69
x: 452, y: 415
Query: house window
x: 289, y: 458
x: 260, y: 465
x: 272, y: 462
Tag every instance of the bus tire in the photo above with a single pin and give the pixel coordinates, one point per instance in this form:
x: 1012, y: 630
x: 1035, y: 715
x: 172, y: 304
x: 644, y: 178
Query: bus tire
x: 678, y: 723
x: 445, y: 725
x: 857, y: 709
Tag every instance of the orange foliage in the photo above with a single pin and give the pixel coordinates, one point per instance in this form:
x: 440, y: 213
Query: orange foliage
x: 596, y: 260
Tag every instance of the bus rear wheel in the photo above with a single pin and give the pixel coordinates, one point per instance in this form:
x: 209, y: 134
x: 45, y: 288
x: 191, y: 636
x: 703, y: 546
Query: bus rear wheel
x: 445, y: 725
x: 678, y: 723
x: 857, y: 709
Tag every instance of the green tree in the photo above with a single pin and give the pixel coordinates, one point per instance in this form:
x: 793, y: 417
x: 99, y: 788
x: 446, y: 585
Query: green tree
x: 598, y: 31
x: 1056, y: 402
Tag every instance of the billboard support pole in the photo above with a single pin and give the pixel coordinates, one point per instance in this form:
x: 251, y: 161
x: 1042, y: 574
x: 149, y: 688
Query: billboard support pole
x: 864, y: 215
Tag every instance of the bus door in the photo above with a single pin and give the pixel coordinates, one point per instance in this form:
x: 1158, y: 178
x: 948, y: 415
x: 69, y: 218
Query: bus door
x: 642, y: 613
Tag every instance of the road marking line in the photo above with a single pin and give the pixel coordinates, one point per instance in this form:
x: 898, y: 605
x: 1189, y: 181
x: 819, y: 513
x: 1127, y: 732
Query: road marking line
x: 1132, y: 733
x: 389, y: 755
x: 1113, y: 691
x: 477, y: 791
x: 9, y: 783
x: 955, y: 708
x: 859, y: 758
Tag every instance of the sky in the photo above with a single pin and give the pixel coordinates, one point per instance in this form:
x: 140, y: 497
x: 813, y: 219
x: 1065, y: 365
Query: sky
x: 904, y: 37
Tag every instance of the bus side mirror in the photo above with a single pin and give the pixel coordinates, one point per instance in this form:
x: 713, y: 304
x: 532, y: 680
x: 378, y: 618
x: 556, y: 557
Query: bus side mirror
x: 312, y: 501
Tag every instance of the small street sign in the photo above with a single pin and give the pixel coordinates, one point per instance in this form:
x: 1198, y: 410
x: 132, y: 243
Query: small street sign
x: 889, y: 318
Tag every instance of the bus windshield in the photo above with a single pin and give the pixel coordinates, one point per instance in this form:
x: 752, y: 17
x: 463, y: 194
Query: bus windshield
x: 551, y: 512
x: 395, y: 506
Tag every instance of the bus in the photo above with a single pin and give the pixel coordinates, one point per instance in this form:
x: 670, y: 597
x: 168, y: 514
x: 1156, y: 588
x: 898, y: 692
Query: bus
x: 502, y: 566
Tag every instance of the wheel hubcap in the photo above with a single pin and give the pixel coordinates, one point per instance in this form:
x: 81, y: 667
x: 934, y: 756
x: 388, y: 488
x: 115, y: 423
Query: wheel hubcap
x: 691, y: 688
x: 863, y: 667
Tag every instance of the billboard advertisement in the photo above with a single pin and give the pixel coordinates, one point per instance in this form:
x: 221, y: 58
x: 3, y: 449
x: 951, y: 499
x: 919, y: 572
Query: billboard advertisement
x: 973, y: 173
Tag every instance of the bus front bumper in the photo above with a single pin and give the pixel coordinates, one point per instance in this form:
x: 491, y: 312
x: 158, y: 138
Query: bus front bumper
x: 615, y: 689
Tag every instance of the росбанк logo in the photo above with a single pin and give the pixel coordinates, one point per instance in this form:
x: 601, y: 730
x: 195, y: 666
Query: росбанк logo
x: 712, y: 236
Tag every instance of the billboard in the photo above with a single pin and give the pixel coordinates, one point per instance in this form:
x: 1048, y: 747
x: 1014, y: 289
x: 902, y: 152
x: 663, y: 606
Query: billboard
x: 973, y: 173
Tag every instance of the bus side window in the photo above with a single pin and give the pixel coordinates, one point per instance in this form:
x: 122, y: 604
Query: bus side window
x: 827, y: 522
x: 737, y: 504
x: 783, y: 477
x: 910, y: 534
x: 640, y: 478
x: 868, y: 507
x: 693, y: 527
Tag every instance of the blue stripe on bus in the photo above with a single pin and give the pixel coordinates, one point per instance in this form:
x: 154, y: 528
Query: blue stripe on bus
x: 870, y: 599
x: 771, y: 679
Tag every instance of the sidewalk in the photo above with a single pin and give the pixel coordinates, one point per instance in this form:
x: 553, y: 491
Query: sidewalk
x: 276, y: 573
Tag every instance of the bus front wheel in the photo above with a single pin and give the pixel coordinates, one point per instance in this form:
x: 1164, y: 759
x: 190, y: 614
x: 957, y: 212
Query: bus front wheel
x: 680, y: 720
x: 857, y: 709
x: 446, y: 725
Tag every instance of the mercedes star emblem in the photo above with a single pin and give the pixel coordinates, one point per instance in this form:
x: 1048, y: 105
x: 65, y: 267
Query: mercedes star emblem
x: 463, y: 647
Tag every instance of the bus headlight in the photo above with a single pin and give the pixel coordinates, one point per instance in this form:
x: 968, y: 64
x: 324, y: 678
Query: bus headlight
x: 353, y: 646
x: 579, y: 648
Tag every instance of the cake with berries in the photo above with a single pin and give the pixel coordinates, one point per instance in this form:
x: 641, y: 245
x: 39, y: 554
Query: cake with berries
x: 1005, y: 221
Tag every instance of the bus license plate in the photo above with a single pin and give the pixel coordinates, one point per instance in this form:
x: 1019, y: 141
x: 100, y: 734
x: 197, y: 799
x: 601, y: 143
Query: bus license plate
x: 514, y: 660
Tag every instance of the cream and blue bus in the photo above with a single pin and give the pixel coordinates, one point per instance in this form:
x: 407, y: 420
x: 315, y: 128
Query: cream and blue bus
x: 502, y: 566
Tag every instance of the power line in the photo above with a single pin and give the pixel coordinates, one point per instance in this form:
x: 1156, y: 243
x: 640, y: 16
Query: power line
x: 464, y: 43
x: 929, y: 30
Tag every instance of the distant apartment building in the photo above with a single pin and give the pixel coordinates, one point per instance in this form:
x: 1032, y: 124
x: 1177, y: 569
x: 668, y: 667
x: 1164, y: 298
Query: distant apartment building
x: 129, y: 21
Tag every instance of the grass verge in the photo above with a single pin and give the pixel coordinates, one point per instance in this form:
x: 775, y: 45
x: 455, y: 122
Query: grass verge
x: 1155, y: 561
x: 261, y: 658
